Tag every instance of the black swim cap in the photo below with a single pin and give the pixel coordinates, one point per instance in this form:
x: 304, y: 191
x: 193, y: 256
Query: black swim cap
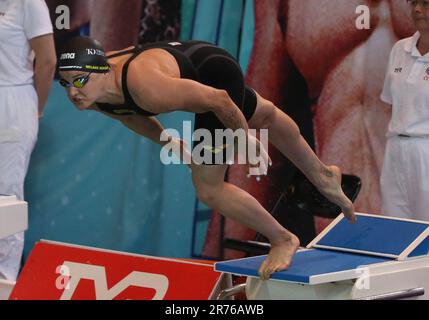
x: 83, y: 54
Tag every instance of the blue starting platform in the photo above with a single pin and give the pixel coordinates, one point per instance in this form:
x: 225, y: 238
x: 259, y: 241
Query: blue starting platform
x: 343, y: 250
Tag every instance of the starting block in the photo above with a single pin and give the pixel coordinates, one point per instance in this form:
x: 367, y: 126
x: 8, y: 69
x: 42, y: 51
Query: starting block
x: 376, y: 258
x: 13, y: 219
x: 13, y: 216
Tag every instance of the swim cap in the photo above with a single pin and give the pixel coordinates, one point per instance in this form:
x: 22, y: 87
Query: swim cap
x: 83, y: 54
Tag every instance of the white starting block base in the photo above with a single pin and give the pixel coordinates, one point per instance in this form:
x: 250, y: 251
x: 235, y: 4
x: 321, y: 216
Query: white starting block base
x: 13, y: 216
x: 6, y: 288
x: 389, y: 280
x: 13, y: 219
x: 376, y: 258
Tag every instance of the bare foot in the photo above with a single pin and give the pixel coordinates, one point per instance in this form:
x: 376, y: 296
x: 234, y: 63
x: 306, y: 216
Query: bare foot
x: 280, y: 256
x: 330, y: 186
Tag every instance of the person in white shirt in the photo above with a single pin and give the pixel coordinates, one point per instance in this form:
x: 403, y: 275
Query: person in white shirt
x: 26, y: 35
x: 405, y: 174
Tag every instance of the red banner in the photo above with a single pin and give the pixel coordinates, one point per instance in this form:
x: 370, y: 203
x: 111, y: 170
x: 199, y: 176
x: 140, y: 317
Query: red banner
x: 65, y: 272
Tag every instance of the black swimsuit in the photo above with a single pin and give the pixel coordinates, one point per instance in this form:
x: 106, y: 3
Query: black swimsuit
x: 130, y: 107
x: 199, y: 61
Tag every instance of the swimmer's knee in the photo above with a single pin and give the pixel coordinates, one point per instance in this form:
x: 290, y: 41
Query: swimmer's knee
x: 265, y: 115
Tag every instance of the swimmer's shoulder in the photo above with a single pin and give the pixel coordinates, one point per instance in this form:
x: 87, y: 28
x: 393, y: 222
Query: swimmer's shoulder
x: 149, y: 59
x: 153, y: 54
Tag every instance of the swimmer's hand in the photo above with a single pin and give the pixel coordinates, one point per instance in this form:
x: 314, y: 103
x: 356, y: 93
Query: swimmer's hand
x: 181, y: 150
x: 257, y: 157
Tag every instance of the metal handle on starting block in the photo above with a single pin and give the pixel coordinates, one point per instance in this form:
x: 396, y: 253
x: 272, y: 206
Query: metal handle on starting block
x: 404, y: 294
x: 230, y: 292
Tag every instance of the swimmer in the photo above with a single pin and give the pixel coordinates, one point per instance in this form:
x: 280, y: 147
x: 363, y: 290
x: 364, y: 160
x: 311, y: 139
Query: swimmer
x: 136, y: 84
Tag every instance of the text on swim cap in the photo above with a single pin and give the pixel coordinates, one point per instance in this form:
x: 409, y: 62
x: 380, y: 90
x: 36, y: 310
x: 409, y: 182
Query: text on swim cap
x: 93, y: 52
x: 102, y: 68
x: 66, y: 56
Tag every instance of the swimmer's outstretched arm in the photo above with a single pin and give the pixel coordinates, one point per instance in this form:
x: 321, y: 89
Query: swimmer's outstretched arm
x: 159, y: 93
x: 148, y: 127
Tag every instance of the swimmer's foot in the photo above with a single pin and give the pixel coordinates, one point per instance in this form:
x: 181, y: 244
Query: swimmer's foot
x: 329, y: 184
x: 280, y: 256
